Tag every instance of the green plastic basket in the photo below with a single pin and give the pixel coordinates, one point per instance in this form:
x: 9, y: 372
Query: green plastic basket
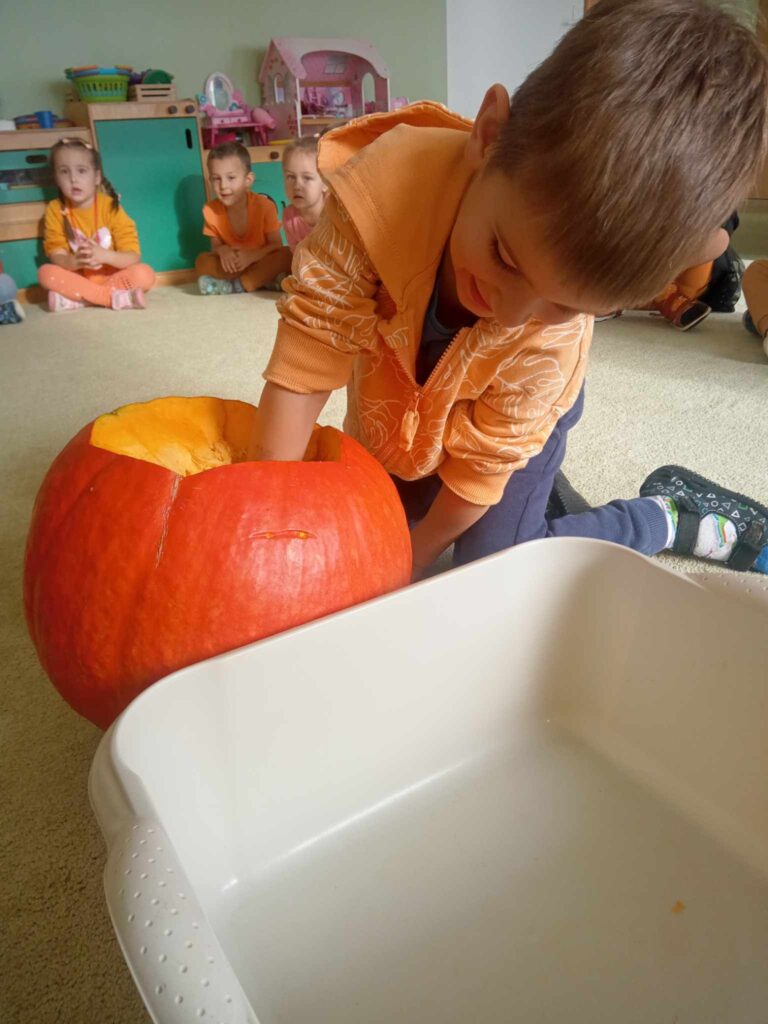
x: 102, y: 88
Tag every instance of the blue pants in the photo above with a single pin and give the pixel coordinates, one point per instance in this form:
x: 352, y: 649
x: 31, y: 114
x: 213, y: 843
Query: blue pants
x: 521, y: 514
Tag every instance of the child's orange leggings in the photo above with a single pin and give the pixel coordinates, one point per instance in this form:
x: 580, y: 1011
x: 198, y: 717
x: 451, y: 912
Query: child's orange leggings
x: 96, y: 288
x: 253, y: 277
x: 755, y: 285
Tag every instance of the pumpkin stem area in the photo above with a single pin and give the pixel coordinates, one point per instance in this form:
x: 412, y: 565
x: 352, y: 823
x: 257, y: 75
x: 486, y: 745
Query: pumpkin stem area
x: 191, y: 435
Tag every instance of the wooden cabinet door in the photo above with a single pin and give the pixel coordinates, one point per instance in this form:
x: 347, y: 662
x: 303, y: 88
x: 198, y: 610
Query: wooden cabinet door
x: 155, y: 165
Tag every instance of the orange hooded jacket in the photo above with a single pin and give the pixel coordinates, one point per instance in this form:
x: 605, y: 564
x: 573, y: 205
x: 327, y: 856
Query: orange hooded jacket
x: 355, y: 307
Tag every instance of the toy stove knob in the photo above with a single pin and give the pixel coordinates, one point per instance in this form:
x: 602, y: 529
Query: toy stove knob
x: 189, y: 109
x: 173, y: 109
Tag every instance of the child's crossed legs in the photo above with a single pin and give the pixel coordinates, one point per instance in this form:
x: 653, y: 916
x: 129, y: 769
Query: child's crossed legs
x: 253, y: 277
x: 97, y: 289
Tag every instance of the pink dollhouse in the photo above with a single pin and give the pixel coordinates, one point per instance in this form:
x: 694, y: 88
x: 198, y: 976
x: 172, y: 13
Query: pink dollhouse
x: 309, y: 84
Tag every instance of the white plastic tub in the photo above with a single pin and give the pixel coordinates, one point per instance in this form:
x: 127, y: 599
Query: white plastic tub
x: 534, y: 789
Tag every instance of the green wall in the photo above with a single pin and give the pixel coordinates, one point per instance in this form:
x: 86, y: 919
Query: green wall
x: 190, y: 39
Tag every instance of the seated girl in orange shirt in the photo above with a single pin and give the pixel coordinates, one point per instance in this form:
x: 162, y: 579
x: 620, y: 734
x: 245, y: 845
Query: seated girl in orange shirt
x: 90, y: 239
x: 247, y: 249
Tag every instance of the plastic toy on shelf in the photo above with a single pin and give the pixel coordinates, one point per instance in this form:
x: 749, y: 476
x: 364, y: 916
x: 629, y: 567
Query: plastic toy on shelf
x: 309, y: 84
x: 150, y: 85
x: 40, y: 119
x: 100, y: 84
x: 226, y: 114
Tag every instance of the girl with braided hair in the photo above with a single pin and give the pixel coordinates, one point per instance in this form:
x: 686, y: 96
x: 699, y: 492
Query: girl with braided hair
x: 90, y: 240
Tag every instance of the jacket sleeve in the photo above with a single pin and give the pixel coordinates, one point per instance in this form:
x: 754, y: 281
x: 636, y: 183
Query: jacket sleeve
x: 328, y: 314
x: 488, y: 439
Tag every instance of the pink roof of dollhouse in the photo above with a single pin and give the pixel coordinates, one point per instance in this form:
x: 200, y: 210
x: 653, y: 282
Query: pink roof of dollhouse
x: 293, y: 48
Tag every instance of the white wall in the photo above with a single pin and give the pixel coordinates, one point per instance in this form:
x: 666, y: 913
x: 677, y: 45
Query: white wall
x: 499, y: 41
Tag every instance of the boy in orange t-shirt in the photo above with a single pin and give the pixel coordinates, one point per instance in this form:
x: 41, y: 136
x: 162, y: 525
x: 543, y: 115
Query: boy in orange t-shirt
x: 247, y: 249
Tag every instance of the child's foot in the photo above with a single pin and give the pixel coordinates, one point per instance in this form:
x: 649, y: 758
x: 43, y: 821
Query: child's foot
x: 128, y: 298
x: 749, y: 323
x: 708, y: 521
x: 61, y: 304
x: 219, y: 285
x: 682, y: 312
x: 11, y: 312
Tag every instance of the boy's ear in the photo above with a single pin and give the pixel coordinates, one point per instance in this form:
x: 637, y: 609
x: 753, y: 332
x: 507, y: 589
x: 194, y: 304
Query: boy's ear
x: 250, y: 178
x: 715, y: 246
x: 493, y: 112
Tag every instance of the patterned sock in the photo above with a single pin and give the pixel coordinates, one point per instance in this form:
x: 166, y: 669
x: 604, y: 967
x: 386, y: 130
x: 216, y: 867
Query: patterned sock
x: 237, y: 286
x: 761, y: 565
x: 716, y: 535
x: 669, y: 508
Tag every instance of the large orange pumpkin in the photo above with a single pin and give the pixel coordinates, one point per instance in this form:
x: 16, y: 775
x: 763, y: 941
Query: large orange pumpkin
x: 153, y: 545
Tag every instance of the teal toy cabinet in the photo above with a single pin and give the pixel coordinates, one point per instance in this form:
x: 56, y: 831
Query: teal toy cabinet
x: 267, y: 166
x: 152, y: 154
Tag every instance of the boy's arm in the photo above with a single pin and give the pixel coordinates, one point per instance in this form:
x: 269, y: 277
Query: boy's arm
x: 211, y: 230
x: 249, y: 256
x: 284, y: 424
x: 328, y: 314
x: 489, y: 438
x: 449, y: 516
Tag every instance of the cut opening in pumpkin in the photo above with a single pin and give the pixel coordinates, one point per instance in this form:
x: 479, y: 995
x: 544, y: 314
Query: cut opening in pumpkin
x: 191, y: 435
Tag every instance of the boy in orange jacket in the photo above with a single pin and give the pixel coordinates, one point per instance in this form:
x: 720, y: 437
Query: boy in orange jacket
x: 455, y: 273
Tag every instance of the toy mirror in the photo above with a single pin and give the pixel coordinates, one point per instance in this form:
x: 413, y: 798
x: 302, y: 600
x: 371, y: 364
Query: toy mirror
x: 219, y: 91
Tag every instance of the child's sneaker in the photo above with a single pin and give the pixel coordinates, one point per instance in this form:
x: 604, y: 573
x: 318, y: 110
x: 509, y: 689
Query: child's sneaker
x: 11, y: 312
x: 58, y: 303
x: 128, y: 298
x: 710, y: 522
x: 218, y: 285
x: 682, y: 312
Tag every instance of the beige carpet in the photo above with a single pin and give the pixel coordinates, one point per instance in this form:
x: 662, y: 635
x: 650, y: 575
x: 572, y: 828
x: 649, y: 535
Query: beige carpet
x: 654, y: 396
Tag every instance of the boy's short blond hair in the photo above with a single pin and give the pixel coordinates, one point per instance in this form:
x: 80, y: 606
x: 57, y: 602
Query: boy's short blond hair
x: 227, y: 149
x: 637, y: 138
